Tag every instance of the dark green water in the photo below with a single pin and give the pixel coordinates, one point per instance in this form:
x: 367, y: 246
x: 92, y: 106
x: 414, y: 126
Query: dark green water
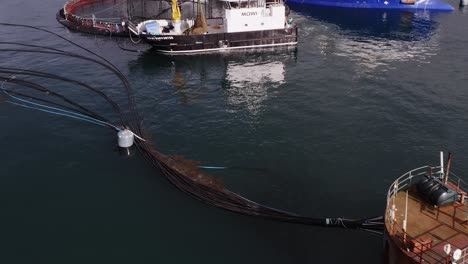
x: 367, y: 96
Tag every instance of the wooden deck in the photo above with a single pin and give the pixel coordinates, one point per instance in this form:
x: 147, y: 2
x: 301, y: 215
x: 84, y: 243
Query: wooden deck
x: 429, y: 228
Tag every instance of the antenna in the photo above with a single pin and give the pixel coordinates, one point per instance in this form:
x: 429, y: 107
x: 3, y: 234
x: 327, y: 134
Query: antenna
x: 449, y: 161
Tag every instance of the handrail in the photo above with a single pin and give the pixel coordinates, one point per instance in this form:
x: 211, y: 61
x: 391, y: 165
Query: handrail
x: 464, y: 257
x: 109, y: 24
x: 425, y: 252
x: 395, y: 187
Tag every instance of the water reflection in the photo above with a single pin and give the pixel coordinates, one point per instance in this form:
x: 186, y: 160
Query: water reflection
x: 463, y: 9
x: 243, y: 80
x: 370, y: 54
x: 374, y: 38
x: 248, y: 82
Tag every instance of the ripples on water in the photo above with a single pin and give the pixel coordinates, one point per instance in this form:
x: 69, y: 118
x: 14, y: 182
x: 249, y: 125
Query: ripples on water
x: 376, y: 38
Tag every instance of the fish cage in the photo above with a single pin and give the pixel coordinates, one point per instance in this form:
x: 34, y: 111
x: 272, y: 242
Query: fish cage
x: 109, y: 17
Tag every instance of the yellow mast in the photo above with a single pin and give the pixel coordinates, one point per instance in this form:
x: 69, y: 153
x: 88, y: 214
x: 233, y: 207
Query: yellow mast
x: 175, y: 11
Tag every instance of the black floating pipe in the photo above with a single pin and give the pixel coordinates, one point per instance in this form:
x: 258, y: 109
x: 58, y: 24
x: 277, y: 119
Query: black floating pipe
x: 185, y: 175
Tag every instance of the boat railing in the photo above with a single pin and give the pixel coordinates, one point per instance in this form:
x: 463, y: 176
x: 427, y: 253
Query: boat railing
x: 251, y: 3
x: 404, y: 181
x: 273, y: 2
x: 423, y: 251
x: 464, y: 257
x: 401, y: 183
x: 458, y: 184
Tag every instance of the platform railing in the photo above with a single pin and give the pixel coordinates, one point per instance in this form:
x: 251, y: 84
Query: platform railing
x: 405, y: 180
x: 424, y: 252
x: 460, y: 185
x: 110, y: 25
x: 464, y: 257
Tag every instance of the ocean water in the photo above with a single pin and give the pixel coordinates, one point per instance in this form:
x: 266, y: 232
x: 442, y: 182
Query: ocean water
x: 321, y: 130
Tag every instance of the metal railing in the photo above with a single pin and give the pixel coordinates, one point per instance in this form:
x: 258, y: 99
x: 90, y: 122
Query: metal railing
x: 405, y: 180
x: 464, y: 257
x: 423, y: 252
x: 111, y: 25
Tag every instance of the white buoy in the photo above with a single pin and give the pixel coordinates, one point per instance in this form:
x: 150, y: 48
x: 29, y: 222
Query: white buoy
x: 125, y: 138
x: 463, y: 2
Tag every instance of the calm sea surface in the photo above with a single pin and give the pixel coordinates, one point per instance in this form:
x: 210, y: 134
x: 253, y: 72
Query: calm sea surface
x: 321, y: 130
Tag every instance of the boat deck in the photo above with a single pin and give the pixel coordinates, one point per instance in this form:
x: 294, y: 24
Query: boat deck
x: 215, y: 25
x: 213, y: 29
x: 429, y: 228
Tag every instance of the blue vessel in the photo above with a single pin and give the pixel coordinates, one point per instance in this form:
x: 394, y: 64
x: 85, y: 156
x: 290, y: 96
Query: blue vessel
x: 400, y: 25
x: 438, y: 5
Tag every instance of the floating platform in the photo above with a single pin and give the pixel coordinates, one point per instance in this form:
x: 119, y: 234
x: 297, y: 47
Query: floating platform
x: 419, y: 231
x: 89, y: 26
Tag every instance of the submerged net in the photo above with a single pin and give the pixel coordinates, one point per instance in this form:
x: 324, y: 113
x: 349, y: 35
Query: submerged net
x: 182, y: 173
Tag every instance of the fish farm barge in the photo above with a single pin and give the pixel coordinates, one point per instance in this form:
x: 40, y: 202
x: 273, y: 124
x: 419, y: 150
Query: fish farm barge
x: 426, y: 220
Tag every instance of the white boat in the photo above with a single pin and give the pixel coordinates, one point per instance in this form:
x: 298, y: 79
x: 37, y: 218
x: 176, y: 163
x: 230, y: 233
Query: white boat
x: 244, y: 24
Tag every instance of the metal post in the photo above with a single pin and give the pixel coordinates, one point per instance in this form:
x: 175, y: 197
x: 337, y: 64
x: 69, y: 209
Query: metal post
x: 441, y: 165
x: 449, y: 162
x: 406, y: 212
x: 128, y: 16
x: 406, y: 218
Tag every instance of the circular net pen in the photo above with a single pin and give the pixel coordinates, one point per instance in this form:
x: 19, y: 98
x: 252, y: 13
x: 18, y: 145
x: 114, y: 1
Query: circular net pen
x: 102, y: 17
x: 109, y: 17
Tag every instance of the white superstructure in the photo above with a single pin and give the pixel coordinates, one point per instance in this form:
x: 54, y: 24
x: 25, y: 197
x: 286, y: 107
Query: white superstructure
x: 254, y: 18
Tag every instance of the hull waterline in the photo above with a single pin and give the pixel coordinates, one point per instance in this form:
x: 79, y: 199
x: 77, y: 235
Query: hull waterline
x: 222, y: 42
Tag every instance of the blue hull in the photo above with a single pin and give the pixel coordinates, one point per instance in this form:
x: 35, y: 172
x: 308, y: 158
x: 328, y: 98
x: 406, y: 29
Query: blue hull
x: 401, y: 25
x: 380, y: 4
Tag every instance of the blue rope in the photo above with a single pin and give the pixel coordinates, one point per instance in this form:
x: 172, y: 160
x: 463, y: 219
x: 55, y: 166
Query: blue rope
x: 64, y: 112
x: 58, y: 113
x: 212, y: 168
